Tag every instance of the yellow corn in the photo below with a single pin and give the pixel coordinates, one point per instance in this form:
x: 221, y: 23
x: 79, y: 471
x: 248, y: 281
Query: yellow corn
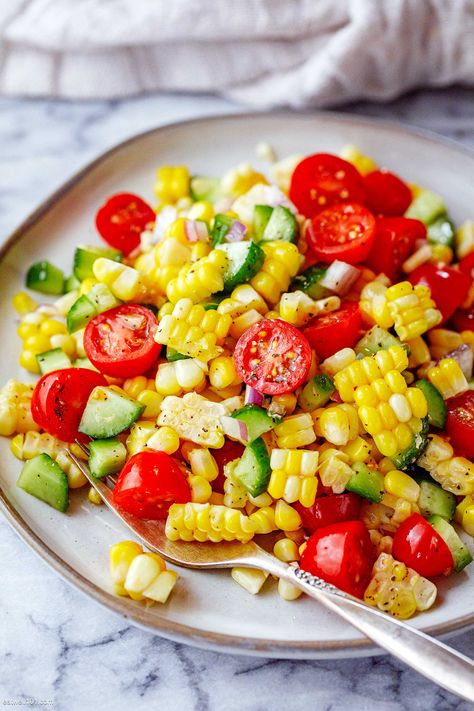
x: 448, y: 378
x: 401, y: 485
x: 286, y: 550
x: 462, y: 506
x: 468, y: 520
x: 152, y: 401
x: 293, y: 475
x: 363, y: 163
x: 201, y: 490
x: 415, y: 260
x: 357, y: 450
x: 397, y: 589
x: 134, y: 386
x: 334, y: 469
x: 368, y: 369
x: 126, y: 283
x: 250, y: 579
x: 94, y: 497
x: 194, y: 418
x: 163, y: 439
x: 338, y: 361
x: 374, y: 305
x: 286, y: 517
x: 441, y: 253
x: 264, y: 519
x: 140, y: 433
x: 295, y: 431
x: 338, y: 424
x: 298, y: 308
x: 222, y: 372
x: 24, y: 304
x: 464, y: 239
x: 200, y: 279
x: 208, y: 522
x: 28, y: 445
x: 142, y: 576
x: 15, y: 408
x: 179, y: 376
x: 243, y: 298
x: 419, y: 352
x: 288, y: 591
x: 282, y: 262
x: 240, y: 180
x: 203, y: 463
x: 235, y: 495
x: 378, y: 517
x: 172, y: 183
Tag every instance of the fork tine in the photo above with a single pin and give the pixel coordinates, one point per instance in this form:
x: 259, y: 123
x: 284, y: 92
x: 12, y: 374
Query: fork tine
x: 98, y: 485
x: 82, y: 446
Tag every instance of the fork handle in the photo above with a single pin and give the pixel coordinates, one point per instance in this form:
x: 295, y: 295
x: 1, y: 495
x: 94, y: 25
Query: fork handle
x: 430, y: 657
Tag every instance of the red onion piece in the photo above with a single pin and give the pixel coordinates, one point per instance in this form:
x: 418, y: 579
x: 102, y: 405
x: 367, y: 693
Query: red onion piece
x: 335, y: 397
x: 340, y: 277
x: 253, y: 397
x: 234, y: 428
x: 237, y: 232
x: 464, y: 356
x: 196, y: 231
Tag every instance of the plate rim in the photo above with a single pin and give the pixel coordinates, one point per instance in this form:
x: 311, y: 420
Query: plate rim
x: 168, y: 628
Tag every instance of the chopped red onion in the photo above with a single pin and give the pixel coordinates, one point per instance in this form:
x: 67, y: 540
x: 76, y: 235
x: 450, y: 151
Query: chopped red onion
x: 196, y: 231
x: 237, y: 232
x: 463, y: 355
x: 335, y: 397
x: 340, y: 277
x: 234, y: 428
x: 252, y: 396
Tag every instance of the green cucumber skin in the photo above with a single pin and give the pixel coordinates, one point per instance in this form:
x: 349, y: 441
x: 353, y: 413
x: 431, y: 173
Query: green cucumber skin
x: 220, y: 229
x: 460, y: 553
x: 44, y: 479
x: 316, y: 393
x: 172, y: 355
x: 261, y: 217
x: 85, y: 256
x: 308, y: 281
x: 45, y: 278
x: 204, y: 188
x: 54, y: 359
x: 71, y: 284
x: 437, y: 410
x: 409, y: 455
x: 375, y: 340
x: 257, y: 419
x: 253, y: 470
x: 281, y: 227
x: 240, y: 271
x: 366, y: 482
x: 108, y: 413
x: 81, y: 312
x: 106, y: 457
x: 434, y: 500
x: 426, y: 207
x: 441, y: 231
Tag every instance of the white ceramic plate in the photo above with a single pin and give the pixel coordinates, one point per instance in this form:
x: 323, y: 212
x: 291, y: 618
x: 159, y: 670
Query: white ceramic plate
x: 208, y: 609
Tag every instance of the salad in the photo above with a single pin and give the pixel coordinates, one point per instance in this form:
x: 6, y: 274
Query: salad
x: 288, y: 357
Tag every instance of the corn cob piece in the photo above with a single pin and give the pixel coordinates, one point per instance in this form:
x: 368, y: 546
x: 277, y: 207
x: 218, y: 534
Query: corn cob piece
x: 448, y: 378
x: 455, y: 474
x: 140, y: 575
x: 194, y: 418
x: 282, y: 262
x: 199, y: 280
x: 15, y: 408
x: 397, y: 589
x: 264, y: 520
x: 250, y: 579
x: 180, y: 376
x: 235, y: 495
x: 295, y: 431
x: 29, y: 444
x: 208, y: 522
x: 242, y: 299
x: 334, y: 469
x: 172, y: 183
x: 338, y: 424
x: 293, y: 476
x: 125, y: 283
x: 464, y: 239
x: 298, y: 308
x: 239, y: 180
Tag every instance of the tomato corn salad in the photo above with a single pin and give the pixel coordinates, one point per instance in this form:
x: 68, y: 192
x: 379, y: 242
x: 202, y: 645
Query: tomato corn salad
x: 289, y: 357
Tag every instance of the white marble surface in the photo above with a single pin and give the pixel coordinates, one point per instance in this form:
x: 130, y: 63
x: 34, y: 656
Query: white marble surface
x: 57, y: 647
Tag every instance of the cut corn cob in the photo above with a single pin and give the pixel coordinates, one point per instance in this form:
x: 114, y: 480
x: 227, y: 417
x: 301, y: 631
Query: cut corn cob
x: 295, y: 431
x: 125, y: 283
x: 208, y: 522
x: 28, y: 445
x: 194, y: 418
x: 264, y: 519
x: 282, y: 262
x: 334, y: 469
x: 250, y: 579
x: 199, y: 280
x: 180, y: 376
x: 242, y: 299
x: 464, y: 239
x: 235, y: 495
x: 140, y: 575
x: 15, y: 408
x: 298, y: 308
x: 448, y: 378
x: 293, y: 476
x: 338, y: 361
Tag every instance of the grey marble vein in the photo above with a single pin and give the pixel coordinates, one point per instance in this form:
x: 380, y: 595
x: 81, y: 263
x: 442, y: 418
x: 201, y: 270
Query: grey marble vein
x: 59, y: 648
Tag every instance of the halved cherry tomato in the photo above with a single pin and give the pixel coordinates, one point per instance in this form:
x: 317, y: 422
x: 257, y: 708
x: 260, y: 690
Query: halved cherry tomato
x: 386, y: 194
x: 329, y: 509
x: 395, y: 239
x: 419, y: 546
x: 149, y: 483
x: 339, y: 329
x: 230, y: 451
x: 272, y: 356
x: 463, y: 319
x: 322, y: 180
x: 460, y: 422
x: 341, y: 554
x: 122, y: 219
x: 449, y: 287
x: 59, y: 399
x: 120, y: 342
x: 345, y: 231
x: 466, y: 265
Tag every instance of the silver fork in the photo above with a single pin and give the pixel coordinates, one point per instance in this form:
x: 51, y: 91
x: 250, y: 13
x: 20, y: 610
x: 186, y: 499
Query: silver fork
x: 430, y: 657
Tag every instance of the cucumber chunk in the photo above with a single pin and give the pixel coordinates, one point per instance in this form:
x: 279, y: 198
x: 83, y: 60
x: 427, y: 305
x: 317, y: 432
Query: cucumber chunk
x: 203, y: 188
x: 108, y: 413
x: 282, y: 226
x: 43, y: 478
x: 46, y: 278
x: 257, y: 420
x: 366, y: 482
x: 244, y: 261
x: 106, y: 456
x: 84, y: 363
x: 427, y: 206
x: 316, y: 393
x: 377, y: 339
x: 55, y: 359
x: 261, y: 217
x: 85, y: 256
x: 80, y: 313
x: 308, y: 281
x: 409, y: 455
x: 460, y: 553
x: 71, y: 284
x: 433, y: 499
x: 253, y: 470
x: 220, y: 229
x: 437, y: 410
x: 442, y: 231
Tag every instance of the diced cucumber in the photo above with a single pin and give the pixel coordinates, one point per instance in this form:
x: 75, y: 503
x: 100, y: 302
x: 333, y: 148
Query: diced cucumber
x: 172, y: 355
x: 460, y: 553
x: 220, y: 228
x: 203, y: 188
x: 108, y: 413
x: 427, y: 206
x: 441, y: 231
x: 437, y: 410
x: 210, y: 305
x: 282, y: 226
x: 80, y: 313
x: 85, y: 256
x: 377, y: 339
x: 257, y: 420
x: 308, y: 281
x: 253, y: 470
x: 409, y: 455
x: 55, y: 359
x: 366, y: 482
x: 244, y: 261
x: 43, y: 478
x: 316, y: 393
x: 106, y: 456
x: 71, y: 284
x: 261, y: 217
x: 84, y: 363
x: 46, y: 278
x: 103, y: 299
x: 433, y: 499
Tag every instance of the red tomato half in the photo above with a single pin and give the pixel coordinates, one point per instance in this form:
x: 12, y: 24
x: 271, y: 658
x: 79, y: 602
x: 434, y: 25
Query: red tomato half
x: 272, y: 356
x: 322, y: 180
x: 463, y: 319
x: 230, y: 451
x: 345, y: 231
x: 122, y: 219
x: 339, y: 329
x: 460, y: 422
x: 448, y: 286
x: 419, y: 546
x: 120, y: 342
x: 329, y: 509
x: 386, y: 194
x: 395, y: 239
x: 59, y: 399
x: 149, y: 483
x: 341, y: 554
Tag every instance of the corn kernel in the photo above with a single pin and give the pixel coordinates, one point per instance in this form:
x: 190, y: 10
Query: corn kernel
x: 288, y: 591
x: 164, y: 439
x: 286, y: 550
x: 250, y: 579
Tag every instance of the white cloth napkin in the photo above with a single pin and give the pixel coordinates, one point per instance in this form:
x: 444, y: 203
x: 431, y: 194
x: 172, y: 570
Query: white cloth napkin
x: 259, y: 52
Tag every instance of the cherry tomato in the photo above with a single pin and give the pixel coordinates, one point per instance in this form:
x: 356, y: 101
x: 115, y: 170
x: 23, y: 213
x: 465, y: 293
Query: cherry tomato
x: 460, y: 422
x: 345, y: 231
x: 419, y: 546
x: 120, y: 342
x: 122, y: 219
x: 149, y: 483
x: 272, y: 356
x: 448, y: 286
x: 329, y: 509
x: 466, y: 265
x: 463, y: 319
x: 339, y: 329
x: 322, y: 180
x: 386, y: 194
x: 341, y: 554
x: 59, y: 399
x: 230, y: 451
x: 395, y: 239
